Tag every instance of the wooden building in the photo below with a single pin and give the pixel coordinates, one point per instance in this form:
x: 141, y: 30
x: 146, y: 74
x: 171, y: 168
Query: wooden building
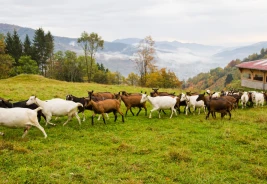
x: 254, y: 74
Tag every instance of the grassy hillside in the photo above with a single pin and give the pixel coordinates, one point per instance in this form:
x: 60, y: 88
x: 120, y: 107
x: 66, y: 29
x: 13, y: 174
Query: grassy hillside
x: 217, y: 78
x: 184, y: 149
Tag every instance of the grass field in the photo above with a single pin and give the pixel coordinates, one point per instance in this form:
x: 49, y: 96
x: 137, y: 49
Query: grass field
x: 184, y: 149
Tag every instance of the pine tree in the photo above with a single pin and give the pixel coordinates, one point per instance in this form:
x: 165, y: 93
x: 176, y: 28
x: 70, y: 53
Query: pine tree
x: 8, y: 43
x: 27, y: 48
x: 17, y: 47
x: 39, y: 49
x: 14, y: 47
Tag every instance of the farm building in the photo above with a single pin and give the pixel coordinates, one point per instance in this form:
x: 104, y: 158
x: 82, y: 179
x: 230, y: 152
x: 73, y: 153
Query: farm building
x: 254, y: 74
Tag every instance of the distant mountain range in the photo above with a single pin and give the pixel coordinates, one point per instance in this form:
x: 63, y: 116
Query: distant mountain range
x: 185, y: 59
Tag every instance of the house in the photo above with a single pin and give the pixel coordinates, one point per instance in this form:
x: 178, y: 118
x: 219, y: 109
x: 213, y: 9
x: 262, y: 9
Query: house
x: 254, y: 74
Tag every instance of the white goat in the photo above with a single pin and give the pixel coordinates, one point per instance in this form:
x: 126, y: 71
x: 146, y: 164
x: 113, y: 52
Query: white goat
x: 160, y: 103
x: 20, y: 118
x: 191, y: 101
x: 57, y: 107
x: 214, y: 94
x: 244, y: 99
x: 258, y: 98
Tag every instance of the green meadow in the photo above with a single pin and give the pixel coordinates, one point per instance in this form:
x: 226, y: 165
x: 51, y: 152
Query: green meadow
x: 184, y: 149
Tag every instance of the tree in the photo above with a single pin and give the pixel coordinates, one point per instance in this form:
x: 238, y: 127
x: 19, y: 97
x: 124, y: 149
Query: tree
x: 8, y: 43
x: 27, y: 65
x: 6, y: 62
x: 145, y: 58
x: 100, y: 77
x: 42, y: 48
x: 49, y: 40
x: 228, y: 79
x: 14, y: 47
x: 2, y: 44
x: 27, y: 48
x: 90, y: 45
x: 17, y: 47
x: 132, y: 79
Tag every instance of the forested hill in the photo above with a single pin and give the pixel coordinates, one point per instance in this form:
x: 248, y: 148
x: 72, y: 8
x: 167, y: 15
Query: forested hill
x: 222, y: 78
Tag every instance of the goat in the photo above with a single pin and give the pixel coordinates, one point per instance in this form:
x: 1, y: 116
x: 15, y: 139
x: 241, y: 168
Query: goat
x: 133, y: 101
x: 160, y: 103
x: 105, y: 106
x: 191, y: 102
x: 101, y: 95
x: 20, y: 117
x: 156, y: 93
x: 56, y: 107
x: 244, y: 99
x: 213, y: 105
x: 23, y: 104
x: 130, y: 94
x: 82, y: 101
x: 258, y: 98
x: 231, y: 99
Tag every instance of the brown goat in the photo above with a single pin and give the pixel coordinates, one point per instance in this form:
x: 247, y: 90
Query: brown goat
x: 130, y: 94
x: 105, y: 106
x: 213, y: 105
x: 133, y: 101
x: 156, y: 93
x: 103, y: 95
x: 231, y: 99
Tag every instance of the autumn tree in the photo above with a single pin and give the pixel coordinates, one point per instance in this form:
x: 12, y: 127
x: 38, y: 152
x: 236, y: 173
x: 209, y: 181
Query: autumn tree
x: 90, y: 45
x: 2, y: 44
x: 6, y: 61
x: 132, y: 79
x: 163, y: 78
x: 145, y: 58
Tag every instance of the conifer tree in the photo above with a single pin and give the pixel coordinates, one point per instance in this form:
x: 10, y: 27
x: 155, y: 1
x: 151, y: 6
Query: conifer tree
x: 14, y: 47
x: 39, y: 47
x: 27, y: 48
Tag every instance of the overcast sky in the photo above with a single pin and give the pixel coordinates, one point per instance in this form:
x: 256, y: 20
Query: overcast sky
x: 210, y: 22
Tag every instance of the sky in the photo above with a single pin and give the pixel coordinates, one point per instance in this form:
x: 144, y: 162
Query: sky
x: 208, y: 22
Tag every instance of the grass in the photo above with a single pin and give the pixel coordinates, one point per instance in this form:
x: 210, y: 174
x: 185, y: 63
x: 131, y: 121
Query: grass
x: 184, y: 149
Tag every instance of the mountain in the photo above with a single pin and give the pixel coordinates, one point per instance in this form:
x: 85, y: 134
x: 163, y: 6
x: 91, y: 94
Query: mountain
x: 184, y: 59
x: 129, y: 41
x: 241, y: 52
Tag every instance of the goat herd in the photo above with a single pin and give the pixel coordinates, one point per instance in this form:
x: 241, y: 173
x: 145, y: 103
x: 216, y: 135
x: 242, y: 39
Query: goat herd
x: 28, y: 113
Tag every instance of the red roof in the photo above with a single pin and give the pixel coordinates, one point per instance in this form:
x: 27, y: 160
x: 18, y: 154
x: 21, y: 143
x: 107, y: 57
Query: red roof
x: 257, y: 65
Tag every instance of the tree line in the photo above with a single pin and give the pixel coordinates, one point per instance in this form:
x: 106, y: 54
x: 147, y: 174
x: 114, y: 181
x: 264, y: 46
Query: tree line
x: 37, y: 56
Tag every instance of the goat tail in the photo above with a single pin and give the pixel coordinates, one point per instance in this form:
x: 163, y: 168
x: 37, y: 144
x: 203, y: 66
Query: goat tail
x: 38, y: 109
x: 79, y: 105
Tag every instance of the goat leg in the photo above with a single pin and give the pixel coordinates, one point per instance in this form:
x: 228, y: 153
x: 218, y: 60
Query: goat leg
x: 103, y: 118
x: 131, y: 111
x: 139, y: 111
x: 26, y: 130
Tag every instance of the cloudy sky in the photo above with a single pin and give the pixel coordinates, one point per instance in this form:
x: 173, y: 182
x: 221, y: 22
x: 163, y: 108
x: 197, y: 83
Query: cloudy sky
x: 210, y: 22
